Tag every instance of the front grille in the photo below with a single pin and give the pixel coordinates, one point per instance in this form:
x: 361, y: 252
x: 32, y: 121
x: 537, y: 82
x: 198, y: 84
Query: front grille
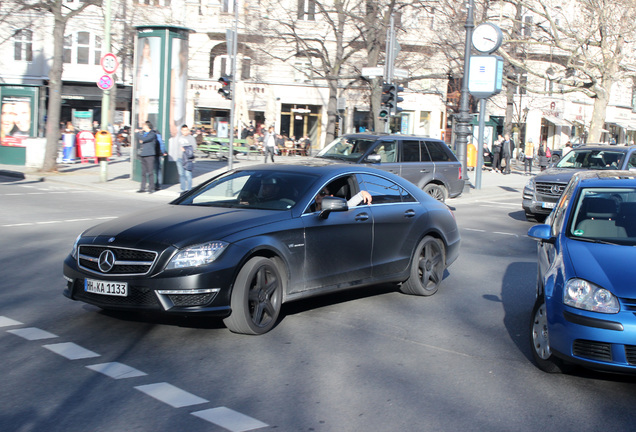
x: 550, y: 189
x: 630, y: 353
x: 127, y: 261
x: 592, y: 350
x: 629, y: 304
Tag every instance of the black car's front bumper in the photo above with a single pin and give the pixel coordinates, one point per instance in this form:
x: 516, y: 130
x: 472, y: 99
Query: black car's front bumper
x: 191, y: 291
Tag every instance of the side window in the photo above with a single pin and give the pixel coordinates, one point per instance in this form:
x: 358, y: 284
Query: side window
x: 411, y: 151
x: 384, y: 191
x: 387, y: 151
x: 438, y: 153
x: 343, y: 187
x: 631, y: 164
x: 561, y: 207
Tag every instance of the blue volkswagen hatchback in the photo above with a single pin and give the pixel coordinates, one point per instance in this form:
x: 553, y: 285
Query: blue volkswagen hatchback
x: 585, y: 312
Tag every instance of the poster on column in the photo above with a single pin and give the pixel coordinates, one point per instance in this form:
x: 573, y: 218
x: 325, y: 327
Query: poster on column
x: 148, y: 80
x: 15, y: 120
x: 178, y: 84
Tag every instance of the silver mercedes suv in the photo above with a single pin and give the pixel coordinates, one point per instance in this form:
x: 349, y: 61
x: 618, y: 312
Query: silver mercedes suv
x: 425, y: 162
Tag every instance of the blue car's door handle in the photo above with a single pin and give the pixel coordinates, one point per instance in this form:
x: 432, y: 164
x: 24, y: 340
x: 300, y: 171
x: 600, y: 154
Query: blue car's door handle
x: 409, y: 213
x: 362, y: 217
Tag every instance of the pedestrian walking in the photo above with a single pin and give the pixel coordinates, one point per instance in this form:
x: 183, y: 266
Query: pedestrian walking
x: 528, y: 156
x: 496, y: 154
x: 507, y: 148
x: 185, y: 162
x: 542, y: 155
x: 147, y: 151
x: 269, y: 143
x: 160, y: 154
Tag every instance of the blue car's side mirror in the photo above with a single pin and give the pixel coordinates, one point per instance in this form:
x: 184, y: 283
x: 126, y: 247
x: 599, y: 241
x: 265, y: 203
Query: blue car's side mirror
x: 542, y: 233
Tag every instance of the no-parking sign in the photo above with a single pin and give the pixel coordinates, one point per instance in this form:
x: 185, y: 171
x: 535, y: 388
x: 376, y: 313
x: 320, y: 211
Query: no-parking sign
x: 105, y: 82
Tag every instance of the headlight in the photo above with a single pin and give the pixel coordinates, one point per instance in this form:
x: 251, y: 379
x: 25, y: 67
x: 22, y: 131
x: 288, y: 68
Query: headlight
x: 530, y: 184
x: 582, y: 294
x: 197, y: 255
x: 74, y: 251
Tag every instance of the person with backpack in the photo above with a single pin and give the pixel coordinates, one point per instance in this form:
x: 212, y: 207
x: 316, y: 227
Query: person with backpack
x: 185, y: 163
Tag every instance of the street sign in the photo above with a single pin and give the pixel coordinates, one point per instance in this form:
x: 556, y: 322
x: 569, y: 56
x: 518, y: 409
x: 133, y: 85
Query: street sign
x: 371, y: 72
x: 400, y: 73
x: 109, y: 63
x: 105, y: 82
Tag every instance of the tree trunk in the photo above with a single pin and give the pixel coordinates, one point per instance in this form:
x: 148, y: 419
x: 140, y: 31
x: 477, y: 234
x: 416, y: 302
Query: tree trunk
x: 332, y: 106
x: 54, y: 108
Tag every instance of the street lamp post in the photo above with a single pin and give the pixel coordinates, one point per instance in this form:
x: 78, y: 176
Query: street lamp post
x: 463, y: 119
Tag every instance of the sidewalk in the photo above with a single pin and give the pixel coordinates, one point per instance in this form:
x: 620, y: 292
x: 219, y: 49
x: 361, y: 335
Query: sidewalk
x: 88, y: 175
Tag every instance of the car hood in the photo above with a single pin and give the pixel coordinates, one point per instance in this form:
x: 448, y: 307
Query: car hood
x: 556, y: 175
x: 181, y: 225
x: 609, y: 266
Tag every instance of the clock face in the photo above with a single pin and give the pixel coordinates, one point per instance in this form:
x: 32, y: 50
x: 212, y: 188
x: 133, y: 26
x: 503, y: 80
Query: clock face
x: 487, y: 37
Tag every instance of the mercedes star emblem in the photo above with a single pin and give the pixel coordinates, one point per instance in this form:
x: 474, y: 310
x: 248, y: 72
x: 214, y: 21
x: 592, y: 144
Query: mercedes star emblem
x: 106, y: 261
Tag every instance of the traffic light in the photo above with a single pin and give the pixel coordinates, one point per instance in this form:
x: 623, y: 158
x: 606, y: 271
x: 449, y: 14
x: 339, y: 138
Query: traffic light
x: 226, y: 89
x: 390, y: 99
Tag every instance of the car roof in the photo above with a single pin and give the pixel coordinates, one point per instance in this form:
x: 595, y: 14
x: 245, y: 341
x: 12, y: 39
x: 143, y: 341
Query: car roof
x: 387, y: 135
x: 602, y: 178
x: 622, y: 149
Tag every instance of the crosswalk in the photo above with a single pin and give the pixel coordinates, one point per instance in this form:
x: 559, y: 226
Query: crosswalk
x: 167, y: 393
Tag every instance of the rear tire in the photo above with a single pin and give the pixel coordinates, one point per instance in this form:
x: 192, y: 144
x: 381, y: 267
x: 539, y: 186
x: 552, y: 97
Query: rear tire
x: 427, y: 268
x: 437, y: 191
x: 256, y: 297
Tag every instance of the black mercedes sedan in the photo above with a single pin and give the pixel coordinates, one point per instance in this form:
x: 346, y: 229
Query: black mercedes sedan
x: 243, y: 243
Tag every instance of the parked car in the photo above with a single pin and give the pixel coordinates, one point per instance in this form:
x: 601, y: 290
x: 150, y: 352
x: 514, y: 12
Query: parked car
x: 586, y: 297
x: 543, y: 190
x: 425, y: 162
x: 243, y: 243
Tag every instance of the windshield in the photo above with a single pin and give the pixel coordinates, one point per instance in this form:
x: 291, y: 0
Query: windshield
x: 605, y: 215
x: 254, y: 189
x: 346, y: 148
x: 592, y: 159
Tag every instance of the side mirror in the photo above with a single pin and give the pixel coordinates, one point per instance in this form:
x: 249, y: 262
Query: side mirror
x: 373, y: 158
x: 542, y: 233
x: 333, y: 204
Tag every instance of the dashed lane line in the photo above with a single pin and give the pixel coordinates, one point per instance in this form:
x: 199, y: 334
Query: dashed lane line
x: 23, y: 224
x: 221, y: 416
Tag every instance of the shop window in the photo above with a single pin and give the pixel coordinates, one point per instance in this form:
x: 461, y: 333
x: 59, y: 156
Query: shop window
x: 307, y: 10
x: 23, y: 45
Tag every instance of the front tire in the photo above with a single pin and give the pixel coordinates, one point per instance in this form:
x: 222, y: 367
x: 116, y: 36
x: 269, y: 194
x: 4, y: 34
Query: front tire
x: 256, y: 297
x: 540, y: 339
x: 437, y: 191
x: 427, y: 268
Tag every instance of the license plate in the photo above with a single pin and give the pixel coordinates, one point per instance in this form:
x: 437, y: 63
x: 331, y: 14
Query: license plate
x: 106, y: 288
x: 548, y: 205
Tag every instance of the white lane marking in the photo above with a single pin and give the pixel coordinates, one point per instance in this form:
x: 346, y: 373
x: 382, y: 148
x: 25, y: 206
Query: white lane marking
x: 32, y: 333
x: 7, y: 322
x: 474, y: 229
x: 173, y: 396
x: 229, y: 419
x: 71, y: 351
x: 116, y: 370
x: 57, y: 221
x: 506, y: 233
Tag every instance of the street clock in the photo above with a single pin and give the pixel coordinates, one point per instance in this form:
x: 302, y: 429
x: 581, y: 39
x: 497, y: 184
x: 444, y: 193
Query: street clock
x: 487, y: 38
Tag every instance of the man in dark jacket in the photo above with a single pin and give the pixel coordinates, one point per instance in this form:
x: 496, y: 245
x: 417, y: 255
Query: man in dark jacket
x: 147, y: 153
x: 507, y: 148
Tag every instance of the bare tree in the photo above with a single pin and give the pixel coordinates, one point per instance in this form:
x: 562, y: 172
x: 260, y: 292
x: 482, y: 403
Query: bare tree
x: 585, y: 44
x: 61, y: 14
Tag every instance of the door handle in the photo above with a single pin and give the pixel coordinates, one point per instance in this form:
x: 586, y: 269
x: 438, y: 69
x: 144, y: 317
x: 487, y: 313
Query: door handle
x: 362, y: 217
x: 409, y: 213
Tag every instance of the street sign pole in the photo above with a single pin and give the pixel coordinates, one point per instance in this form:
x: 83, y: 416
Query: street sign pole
x: 103, y: 162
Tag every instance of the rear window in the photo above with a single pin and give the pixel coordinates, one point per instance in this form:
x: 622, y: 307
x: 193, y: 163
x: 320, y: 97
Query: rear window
x: 346, y: 148
x: 440, y: 152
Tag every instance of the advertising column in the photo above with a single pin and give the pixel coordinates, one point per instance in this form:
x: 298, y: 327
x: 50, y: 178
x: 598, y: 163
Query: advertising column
x: 161, y: 74
x: 18, y: 121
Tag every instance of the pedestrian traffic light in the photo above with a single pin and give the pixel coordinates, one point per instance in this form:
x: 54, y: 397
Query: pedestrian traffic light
x: 226, y: 89
x: 390, y: 98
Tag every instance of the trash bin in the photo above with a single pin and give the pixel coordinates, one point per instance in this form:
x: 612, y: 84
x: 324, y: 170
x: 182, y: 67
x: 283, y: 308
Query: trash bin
x: 471, y: 156
x: 103, y: 144
x: 69, y: 147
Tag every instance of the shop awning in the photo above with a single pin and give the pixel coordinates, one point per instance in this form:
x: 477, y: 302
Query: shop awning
x: 625, y: 125
x: 557, y: 121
